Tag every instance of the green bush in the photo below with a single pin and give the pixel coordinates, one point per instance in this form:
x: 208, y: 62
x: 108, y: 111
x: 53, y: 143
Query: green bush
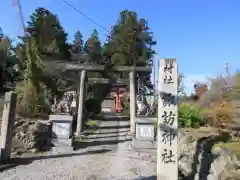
x: 30, y: 102
x: 190, y: 115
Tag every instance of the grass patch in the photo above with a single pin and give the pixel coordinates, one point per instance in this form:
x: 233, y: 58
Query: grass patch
x: 92, y: 123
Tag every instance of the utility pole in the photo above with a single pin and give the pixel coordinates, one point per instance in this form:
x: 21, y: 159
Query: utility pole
x: 18, y: 4
x: 227, y: 68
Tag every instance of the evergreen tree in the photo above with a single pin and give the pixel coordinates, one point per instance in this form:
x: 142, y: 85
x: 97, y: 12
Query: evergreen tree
x: 93, y: 49
x: 77, y: 47
x: 49, y: 34
x: 94, y: 34
x: 77, y: 53
x: 9, y: 72
x: 1, y: 34
x: 130, y: 43
x: 31, y: 94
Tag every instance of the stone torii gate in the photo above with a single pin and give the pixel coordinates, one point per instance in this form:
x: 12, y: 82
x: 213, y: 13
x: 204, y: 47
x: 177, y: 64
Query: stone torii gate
x: 84, y: 68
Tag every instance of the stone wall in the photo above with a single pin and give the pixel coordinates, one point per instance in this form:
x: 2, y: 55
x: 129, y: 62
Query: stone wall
x: 200, y: 158
x: 35, y: 135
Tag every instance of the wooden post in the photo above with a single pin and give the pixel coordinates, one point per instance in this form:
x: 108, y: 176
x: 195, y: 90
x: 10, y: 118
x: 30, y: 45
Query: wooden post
x: 132, y: 102
x: 7, y: 125
x: 167, y: 146
x: 80, y: 103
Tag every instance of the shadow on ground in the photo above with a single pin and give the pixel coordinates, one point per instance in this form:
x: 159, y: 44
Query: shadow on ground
x: 181, y: 177
x: 111, y: 136
x: 114, y: 127
x: 147, y: 178
x: 109, y: 132
x: 28, y: 160
x: 81, y: 144
x: 103, y: 134
x: 111, y: 117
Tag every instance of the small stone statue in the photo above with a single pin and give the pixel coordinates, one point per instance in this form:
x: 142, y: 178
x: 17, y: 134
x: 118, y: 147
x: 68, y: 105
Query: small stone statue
x: 64, y: 106
x: 143, y: 106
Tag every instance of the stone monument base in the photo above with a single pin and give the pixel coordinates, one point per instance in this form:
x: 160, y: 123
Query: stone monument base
x: 62, y: 142
x: 144, y: 139
x: 139, y: 144
x: 62, y: 139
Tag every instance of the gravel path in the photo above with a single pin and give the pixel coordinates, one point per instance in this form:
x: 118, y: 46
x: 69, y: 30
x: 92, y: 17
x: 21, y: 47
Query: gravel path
x: 100, y: 162
x: 118, y: 163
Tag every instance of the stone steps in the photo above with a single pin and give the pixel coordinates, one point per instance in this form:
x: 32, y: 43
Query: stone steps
x: 110, y: 131
x: 104, y: 139
x: 106, y: 124
x: 105, y: 131
x: 107, y: 134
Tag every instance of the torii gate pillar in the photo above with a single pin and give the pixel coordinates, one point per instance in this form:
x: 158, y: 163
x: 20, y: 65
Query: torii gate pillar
x: 132, y: 102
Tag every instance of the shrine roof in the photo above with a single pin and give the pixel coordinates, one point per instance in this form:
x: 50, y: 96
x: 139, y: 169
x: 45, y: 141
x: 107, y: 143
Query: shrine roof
x: 75, y: 66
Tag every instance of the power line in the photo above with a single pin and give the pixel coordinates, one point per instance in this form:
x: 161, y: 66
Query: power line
x: 84, y: 15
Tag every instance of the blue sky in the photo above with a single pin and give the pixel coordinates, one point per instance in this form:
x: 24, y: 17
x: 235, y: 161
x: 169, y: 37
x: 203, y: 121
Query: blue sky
x: 201, y: 34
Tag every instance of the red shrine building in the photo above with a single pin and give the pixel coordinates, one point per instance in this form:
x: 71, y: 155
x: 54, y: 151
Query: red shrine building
x: 113, y: 101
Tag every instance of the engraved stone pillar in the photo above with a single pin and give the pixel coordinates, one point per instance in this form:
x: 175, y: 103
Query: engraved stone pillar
x: 132, y: 102
x: 7, y: 125
x: 167, y: 146
x: 80, y: 103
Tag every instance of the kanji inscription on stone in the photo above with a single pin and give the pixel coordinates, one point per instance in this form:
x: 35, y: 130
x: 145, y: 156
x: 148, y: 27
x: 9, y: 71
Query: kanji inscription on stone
x: 167, y: 162
x: 168, y: 136
x: 167, y: 99
x: 168, y: 117
x: 168, y: 80
x: 168, y: 156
